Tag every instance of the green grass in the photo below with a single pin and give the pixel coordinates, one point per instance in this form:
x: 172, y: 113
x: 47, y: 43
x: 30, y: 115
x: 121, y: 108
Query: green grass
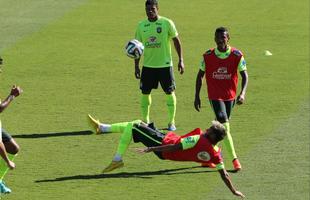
x: 68, y: 56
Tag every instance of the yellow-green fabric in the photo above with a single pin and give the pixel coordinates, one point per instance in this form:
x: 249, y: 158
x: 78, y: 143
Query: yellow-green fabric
x: 156, y: 37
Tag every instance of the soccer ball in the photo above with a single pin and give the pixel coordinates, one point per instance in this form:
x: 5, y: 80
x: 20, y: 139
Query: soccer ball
x: 134, y: 49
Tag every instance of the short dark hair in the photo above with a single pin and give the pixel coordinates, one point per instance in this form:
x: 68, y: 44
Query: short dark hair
x: 221, y: 30
x: 219, y: 130
x: 151, y: 3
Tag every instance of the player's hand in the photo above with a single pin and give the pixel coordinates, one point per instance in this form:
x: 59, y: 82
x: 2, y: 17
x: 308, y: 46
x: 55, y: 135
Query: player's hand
x: 239, y: 194
x: 16, y: 91
x: 11, y: 165
x: 142, y: 150
x: 181, y: 67
x: 137, y: 72
x: 240, y: 99
x: 197, y: 104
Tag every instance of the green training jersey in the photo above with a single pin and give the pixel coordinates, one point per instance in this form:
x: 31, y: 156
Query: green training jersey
x: 156, y: 37
x: 223, y: 55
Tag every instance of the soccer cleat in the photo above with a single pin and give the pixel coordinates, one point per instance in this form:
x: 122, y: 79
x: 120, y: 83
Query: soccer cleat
x: 113, y: 165
x: 171, y: 127
x: 210, y: 165
x: 237, y: 165
x: 4, y: 189
x: 94, y: 123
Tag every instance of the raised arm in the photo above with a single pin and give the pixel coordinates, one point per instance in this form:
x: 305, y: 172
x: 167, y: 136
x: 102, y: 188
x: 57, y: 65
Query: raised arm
x: 15, y: 91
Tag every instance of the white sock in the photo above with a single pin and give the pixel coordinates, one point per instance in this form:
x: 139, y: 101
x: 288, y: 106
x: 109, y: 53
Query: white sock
x: 105, y: 128
x: 117, y: 158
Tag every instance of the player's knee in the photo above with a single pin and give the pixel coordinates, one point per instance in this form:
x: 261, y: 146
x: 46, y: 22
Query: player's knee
x: 15, y: 149
x: 169, y: 90
x: 12, y: 147
x: 222, y: 117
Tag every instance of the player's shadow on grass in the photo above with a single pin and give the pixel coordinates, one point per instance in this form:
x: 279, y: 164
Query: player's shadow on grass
x: 46, y: 135
x: 145, y: 175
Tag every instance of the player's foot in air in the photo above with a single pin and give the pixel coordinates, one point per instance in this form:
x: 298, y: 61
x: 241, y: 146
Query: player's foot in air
x: 171, y: 127
x: 113, y: 165
x: 209, y: 165
x: 4, y: 189
x: 237, y: 165
x: 94, y: 124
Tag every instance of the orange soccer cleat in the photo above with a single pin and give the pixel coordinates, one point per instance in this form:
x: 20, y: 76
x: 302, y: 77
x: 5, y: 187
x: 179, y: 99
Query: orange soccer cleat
x: 237, y: 165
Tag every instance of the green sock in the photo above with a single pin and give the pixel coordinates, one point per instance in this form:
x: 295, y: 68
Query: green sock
x: 228, y: 142
x: 146, y: 101
x: 172, y: 104
x: 118, y: 127
x: 126, y: 129
x: 3, y: 166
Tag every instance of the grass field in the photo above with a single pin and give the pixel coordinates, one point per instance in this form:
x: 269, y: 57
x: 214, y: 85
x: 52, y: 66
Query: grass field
x: 68, y: 57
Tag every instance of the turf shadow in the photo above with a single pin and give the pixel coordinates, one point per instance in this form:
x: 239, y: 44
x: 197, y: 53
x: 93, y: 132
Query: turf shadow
x: 46, y: 135
x: 146, y: 175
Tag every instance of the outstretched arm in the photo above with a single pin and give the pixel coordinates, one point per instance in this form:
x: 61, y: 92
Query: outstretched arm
x: 199, y: 78
x: 226, y: 178
x: 178, y: 48
x: 162, y: 148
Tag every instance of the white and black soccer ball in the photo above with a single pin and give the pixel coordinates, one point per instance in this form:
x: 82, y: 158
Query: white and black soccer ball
x: 134, y: 49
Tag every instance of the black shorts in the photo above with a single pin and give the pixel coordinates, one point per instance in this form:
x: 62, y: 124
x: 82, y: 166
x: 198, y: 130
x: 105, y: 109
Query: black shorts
x: 6, y: 137
x: 222, y: 109
x: 147, y: 136
x: 150, y: 77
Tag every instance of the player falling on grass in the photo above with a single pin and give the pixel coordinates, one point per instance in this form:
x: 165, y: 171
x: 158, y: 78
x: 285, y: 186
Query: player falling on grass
x: 220, y: 66
x: 155, y: 33
x: 7, y: 143
x: 196, y: 146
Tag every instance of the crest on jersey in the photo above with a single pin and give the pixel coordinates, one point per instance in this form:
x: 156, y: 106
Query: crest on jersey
x: 204, y: 156
x: 159, y: 29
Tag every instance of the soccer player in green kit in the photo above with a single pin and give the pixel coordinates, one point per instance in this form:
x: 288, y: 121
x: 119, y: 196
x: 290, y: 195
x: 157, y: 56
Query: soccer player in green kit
x: 7, y: 143
x: 155, y: 33
x: 220, y: 66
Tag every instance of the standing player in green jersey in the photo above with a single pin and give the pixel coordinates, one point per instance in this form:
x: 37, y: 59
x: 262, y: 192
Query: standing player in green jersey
x: 220, y: 66
x: 7, y: 143
x: 155, y: 33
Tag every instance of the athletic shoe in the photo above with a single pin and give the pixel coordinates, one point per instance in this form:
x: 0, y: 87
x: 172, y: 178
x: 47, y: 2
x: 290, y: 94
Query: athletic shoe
x: 237, y: 165
x: 94, y: 123
x: 4, y: 189
x: 171, y: 127
x: 210, y: 165
x: 113, y: 165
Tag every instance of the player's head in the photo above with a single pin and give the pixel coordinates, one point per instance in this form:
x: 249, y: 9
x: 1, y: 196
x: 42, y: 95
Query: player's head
x: 221, y: 38
x: 151, y: 9
x: 216, y: 132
